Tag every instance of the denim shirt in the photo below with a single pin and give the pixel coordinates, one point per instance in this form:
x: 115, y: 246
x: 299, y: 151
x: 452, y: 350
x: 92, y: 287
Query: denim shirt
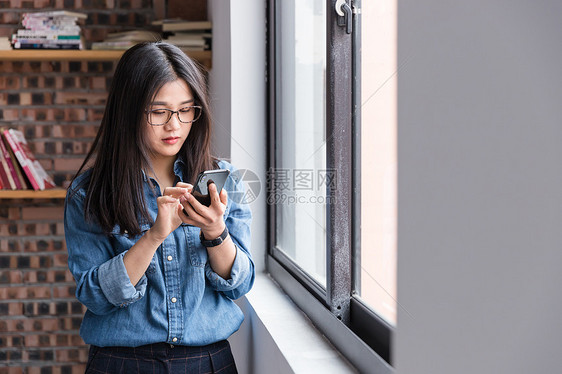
x: 179, y: 300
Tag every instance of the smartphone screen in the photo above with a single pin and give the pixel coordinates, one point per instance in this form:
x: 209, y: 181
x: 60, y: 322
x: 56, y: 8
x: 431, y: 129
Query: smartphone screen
x: 200, y: 189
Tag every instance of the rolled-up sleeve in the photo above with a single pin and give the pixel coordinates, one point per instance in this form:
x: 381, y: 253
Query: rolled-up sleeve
x: 240, y: 274
x: 238, y: 221
x: 102, y: 282
x: 116, y: 285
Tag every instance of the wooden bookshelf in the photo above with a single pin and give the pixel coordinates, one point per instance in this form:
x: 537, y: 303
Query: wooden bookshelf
x: 52, y: 193
x: 204, y: 57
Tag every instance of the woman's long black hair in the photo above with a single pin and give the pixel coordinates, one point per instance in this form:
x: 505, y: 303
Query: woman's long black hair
x: 114, y: 191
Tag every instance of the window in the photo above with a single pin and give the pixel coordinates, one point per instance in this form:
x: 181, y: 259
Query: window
x: 376, y: 147
x: 332, y: 176
x: 298, y: 191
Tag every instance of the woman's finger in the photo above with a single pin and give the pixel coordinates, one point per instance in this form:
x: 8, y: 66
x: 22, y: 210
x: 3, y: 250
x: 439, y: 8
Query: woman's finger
x: 190, y: 211
x: 224, y: 196
x: 195, y: 205
x: 166, y: 199
x: 215, y: 199
x: 175, y: 191
x: 184, y: 216
x: 185, y: 185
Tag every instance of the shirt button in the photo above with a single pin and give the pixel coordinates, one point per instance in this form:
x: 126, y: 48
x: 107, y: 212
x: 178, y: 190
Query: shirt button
x: 174, y: 299
x: 175, y: 340
x: 170, y: 258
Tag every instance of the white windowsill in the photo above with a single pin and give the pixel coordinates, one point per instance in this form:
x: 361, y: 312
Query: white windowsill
x: 277, y: 337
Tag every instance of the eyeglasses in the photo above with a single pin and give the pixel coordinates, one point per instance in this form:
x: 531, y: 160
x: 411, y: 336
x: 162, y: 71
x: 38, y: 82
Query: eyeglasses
x: 160, y: 117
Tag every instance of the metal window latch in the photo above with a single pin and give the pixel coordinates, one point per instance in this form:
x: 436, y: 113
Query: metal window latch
x: 345, y: 15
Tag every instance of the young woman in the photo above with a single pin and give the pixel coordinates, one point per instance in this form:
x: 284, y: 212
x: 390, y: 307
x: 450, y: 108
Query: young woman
x: 157, y: 270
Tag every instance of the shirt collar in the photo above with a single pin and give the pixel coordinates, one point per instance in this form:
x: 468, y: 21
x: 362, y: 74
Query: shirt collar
x: 144, y: 176
x: 179, y: 167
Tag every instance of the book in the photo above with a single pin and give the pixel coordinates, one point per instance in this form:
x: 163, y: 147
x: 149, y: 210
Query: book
x: 19, y: 45
x: 159, y: 22
x: 191, y: 40
x: 11, y: 165
x: 188, y: 43
x: 51, y: 35
x: 187, y: 35
x: 3, y: 184
x: 126, y: 39
x: 183, y: 25
x: 116, y: 45
x: 49, y: 24
x: 6, y: 185
x: 56, y: 13
x: 35, y: 173
x: 133, y: 35
x: 49, y: 30
x: 45, y: 41
x: 187, y: 40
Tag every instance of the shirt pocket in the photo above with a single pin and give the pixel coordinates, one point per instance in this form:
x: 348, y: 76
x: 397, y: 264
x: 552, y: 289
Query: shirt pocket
x: 197, y: 253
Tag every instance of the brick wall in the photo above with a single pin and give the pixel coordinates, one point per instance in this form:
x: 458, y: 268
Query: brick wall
x: 58, y: 105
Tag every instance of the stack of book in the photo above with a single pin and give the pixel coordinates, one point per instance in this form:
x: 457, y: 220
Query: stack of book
x: 49, y: 30
x: 19, y: 170
x: 126, y: 39
x: 188, y: 35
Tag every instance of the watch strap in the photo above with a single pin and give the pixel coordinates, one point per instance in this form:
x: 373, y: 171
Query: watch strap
x: 214, y: 242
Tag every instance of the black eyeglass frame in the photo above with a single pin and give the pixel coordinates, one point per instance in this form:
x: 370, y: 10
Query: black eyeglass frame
x: 172, y: 112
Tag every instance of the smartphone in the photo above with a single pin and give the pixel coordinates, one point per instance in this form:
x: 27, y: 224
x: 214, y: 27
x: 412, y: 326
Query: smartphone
x: 200, y: 189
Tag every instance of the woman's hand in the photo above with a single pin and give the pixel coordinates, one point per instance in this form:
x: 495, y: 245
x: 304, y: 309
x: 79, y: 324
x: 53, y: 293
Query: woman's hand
x: 169, y: 208
x: 138, y: 257
x: 208, y: 219
x: 211, y: 221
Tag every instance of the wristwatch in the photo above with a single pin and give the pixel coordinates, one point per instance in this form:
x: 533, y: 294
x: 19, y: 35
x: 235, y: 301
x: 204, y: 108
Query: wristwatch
x: 214, y: 242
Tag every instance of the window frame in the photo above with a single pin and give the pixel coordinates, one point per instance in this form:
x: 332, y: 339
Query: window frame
x: 355, y: 330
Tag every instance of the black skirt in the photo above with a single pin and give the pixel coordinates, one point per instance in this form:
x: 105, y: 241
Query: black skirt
x: 162, y: 358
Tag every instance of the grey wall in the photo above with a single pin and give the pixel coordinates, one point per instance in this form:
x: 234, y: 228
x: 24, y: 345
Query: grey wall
x: 248, y: 112
x: 238, y: 91
x: 237, y: 84
x: 220, y: 78
x: 480, y: 187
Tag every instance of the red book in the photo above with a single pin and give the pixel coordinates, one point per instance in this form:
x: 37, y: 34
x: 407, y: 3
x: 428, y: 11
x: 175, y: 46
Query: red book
x: 4, y: 181
x: 9, y: 167
x: 35, y: 173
